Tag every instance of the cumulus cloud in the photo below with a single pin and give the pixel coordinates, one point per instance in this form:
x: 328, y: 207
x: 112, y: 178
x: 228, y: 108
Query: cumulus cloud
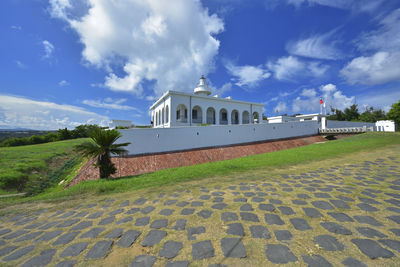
x: 320, y: 46
x: 308, y: 101
x: 48, y: 49
x: 280, y: 108
x: 16, y: 111
x: 110, y: 103
x: 382, y: 67
x: 288, y: 68
x: 247, y: 76
x: 170, y: 43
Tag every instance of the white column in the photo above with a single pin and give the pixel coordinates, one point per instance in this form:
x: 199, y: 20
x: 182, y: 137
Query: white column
x: 229, y: 115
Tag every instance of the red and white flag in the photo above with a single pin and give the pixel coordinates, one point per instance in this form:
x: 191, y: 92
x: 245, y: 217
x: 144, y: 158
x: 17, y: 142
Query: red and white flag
x: 320, y: 101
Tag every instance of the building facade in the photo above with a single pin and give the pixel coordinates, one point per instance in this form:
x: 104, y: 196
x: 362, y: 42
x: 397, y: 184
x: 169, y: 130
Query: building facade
x: 178, y: 109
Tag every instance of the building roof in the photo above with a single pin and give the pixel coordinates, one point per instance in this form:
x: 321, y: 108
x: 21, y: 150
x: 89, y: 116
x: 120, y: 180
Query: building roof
x: 202, y: 96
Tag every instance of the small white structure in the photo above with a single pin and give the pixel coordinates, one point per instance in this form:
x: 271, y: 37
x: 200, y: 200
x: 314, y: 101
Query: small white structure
x: 119, y: 123
x: 385, y: 126
x: 320, y: 118
x: 178, y: 109
x: 282, y: 119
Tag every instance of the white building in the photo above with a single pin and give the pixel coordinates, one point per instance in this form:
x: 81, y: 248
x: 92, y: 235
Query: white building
x: 385, y: 126
x: 177, y: 109
x: 282, y: 119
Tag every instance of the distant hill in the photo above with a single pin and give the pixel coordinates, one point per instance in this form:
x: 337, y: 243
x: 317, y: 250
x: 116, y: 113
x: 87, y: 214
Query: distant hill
x: 19, y: 132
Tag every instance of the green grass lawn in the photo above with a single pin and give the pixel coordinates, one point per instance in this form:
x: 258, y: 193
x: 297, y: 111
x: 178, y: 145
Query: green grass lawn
x: 22, y: 165
x: 273, y: 160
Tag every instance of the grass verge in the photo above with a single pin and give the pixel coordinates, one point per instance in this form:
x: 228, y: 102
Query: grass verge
x: 24, y: 165
x: 278, y: 159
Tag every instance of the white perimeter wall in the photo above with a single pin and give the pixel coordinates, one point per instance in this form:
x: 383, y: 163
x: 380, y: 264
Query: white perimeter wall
x: 345, y: 124
x: 155, y: 140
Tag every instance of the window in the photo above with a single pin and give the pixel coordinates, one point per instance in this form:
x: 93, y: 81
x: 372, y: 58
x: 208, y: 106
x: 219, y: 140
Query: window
x: 194, y: 114
x: 178, y: 114
x: 166, y: 114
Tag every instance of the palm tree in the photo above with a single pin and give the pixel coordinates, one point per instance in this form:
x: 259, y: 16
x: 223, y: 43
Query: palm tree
x: 102, y: 146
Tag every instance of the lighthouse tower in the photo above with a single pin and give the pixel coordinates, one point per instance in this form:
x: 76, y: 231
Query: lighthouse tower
x: 202, y: 88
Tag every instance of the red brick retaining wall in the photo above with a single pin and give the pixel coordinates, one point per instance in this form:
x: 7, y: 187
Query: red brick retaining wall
x: 149, y: 163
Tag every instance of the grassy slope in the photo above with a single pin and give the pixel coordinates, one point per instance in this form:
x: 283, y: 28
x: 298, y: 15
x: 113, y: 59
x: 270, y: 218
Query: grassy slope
x: 278, y: 159
x: 25, y: 160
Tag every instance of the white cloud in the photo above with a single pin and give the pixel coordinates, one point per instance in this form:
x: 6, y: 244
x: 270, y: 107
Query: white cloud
x: 288, y: 68
x: 63, y: 83
x: 382, y: 99
x: 317, y: 46
x: 382, y: 67
x: 16, y: 27
x: 248, y: 76
x: 48, y: 49
x: 308, y: 93
x: 280, y: 108
x: 150, y: 98
x: 20, y: 64
x: 222, y: 90
x: 385, y: 38
x: 308, y: 101
x: 169, y: 42
x: 110, y: 103
x: 16, y: 111
x: 354, y: 5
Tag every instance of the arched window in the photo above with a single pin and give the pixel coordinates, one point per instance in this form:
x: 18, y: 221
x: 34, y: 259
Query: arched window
x: 235, y: 117
x: 181, y: 113
x: 162, y: 116
x: 210, y: 115
x: 256, y: 117
x: 197, y: 116
x: 166, y: 114
x: 223, y: 116
x: 245, y: 117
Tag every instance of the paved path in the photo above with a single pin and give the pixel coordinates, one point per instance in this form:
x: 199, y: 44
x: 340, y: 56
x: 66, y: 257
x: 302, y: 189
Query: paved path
x: 338, y: 216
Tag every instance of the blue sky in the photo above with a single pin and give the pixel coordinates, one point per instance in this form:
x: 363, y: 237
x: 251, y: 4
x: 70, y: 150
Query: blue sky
x: 68, y: 62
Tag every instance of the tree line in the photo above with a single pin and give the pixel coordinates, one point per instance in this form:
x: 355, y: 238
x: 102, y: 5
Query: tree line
x: 369, y: 115
x: 80, y: 131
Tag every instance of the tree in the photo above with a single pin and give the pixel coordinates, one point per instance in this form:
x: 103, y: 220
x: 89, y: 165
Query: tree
x: 394, y: 113
x: 372, y: 115
x: 337, y: 115
x: 102, y: 146
x: 351, y: 113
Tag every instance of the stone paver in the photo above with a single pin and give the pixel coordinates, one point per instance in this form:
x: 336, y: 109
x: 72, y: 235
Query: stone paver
x: 171, y: 249
x: 99, y: 250
x: 128, y: 238
x: 328, y: 243
x: 43, y: 259
x: 281, y: 254
x: 143, y: 261
x: 74, y: 250
x: 372, y: 249
x: 153, y: 237
x: 202, y: 250
x: 19, y: 253
x: 233, y: 248
x: 348, y: 213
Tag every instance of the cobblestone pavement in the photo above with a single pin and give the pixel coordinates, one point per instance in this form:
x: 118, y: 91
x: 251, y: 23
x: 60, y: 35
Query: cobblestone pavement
x: 337, y: 216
